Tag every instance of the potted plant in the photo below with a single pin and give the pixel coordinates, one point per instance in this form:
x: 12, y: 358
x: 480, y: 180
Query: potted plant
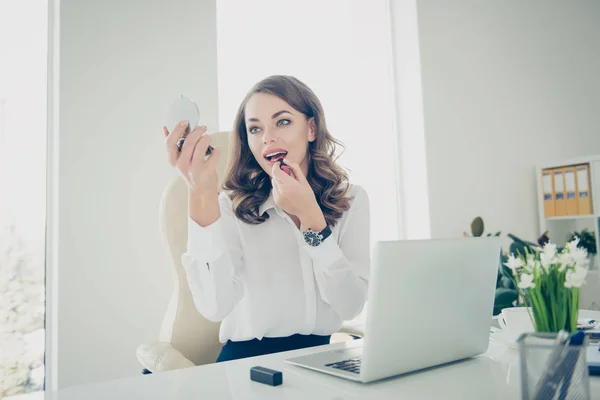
x: 549, y: 281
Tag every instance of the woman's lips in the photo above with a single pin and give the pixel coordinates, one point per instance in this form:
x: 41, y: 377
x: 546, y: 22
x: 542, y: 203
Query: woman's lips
x: 272, y: 157
x: 274, y: 160
x: 284, y: 167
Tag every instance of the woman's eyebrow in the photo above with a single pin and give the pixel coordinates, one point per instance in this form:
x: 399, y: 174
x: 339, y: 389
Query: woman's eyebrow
x: 277, y: 114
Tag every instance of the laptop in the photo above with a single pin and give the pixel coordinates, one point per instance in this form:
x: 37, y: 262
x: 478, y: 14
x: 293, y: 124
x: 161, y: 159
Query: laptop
x: 430, y: 302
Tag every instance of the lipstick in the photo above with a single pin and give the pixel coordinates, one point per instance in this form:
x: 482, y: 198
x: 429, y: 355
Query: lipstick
x: 181, y: 141
x: 285, y: 168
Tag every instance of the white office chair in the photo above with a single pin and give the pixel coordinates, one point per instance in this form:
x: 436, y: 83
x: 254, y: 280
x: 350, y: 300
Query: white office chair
x: 186, y: 338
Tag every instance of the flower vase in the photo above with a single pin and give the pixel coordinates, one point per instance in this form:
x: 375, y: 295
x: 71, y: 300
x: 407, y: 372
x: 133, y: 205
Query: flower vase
x: 550, y: 282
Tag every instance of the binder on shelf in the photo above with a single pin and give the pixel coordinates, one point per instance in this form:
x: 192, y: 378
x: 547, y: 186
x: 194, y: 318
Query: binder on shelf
x: 548, y: 188
x: 560, y: 202
x: 584, y: 197
x: 571, y: 191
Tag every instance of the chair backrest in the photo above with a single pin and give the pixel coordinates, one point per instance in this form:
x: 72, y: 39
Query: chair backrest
x: 183, y: 326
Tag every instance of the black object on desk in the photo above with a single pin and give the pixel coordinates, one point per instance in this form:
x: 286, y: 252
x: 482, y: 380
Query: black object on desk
x: 593, y: 359
x: 266, y: 376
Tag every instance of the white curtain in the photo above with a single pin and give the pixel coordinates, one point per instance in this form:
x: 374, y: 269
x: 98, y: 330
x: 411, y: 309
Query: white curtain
x: 342, y: 50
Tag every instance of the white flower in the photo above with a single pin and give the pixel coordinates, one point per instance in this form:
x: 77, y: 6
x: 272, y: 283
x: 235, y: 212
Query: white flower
x: 580, y: 258
x: 526, y: 281
x: 572, y: 245
x: 574, y: 256
x: 548, y: 258
x: 575, y: 277
x: 549, y: 249
x: 513, y: 263
x: 531, y: 262
x: 565, y: 259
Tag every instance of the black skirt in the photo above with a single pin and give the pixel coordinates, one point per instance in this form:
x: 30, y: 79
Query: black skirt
x: 251, y: 348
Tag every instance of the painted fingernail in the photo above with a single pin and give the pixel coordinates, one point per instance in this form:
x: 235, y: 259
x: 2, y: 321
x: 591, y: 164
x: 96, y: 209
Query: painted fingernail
x: 183, y: 123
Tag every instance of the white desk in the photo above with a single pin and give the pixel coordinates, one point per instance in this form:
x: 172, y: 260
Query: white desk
x: 494, y: 375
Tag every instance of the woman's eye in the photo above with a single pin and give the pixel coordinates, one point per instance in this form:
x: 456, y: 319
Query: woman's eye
x: 253, y: 129
x: 282, y: 122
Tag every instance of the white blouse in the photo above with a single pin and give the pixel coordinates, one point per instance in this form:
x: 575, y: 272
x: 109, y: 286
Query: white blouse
x: 265, y: 281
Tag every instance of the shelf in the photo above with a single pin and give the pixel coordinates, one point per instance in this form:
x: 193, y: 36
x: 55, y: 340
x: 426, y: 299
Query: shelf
x: 571, y: 161
x: 572, y: 217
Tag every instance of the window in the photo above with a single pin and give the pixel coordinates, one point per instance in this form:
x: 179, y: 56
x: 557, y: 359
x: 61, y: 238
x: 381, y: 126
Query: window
x: 342, y: 50
x: 23, y: 36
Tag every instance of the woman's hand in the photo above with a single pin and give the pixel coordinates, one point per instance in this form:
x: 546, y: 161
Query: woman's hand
x: 293, y: 194
x: 199, y: 173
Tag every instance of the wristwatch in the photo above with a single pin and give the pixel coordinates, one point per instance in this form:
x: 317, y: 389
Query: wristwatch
x: 316, y: 238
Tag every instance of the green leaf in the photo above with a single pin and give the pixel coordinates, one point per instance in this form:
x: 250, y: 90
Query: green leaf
x: 587, y: 240
x: 494, y: 234
x: 521, y: 241
x: 504, y: 298
x: 508, y: 283
x: 505, y: 271
x: 518, y: 249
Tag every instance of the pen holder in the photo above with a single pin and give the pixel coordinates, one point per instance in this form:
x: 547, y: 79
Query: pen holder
x: 550, y: 371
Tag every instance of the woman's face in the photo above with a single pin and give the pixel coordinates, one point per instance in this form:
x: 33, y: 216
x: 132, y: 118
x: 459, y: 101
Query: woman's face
x: 276, y: 130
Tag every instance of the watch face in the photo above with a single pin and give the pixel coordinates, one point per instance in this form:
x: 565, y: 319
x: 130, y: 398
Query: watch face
x: 312, y: 238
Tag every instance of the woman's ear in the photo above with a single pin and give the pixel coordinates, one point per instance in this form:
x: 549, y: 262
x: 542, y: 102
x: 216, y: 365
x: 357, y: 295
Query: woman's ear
x: 312, y: 129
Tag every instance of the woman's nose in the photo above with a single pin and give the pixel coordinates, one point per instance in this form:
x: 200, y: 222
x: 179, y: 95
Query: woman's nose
x: 269, y: 136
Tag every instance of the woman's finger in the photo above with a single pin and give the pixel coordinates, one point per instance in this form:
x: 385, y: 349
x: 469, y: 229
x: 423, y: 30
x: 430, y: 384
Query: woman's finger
x: 298, y: 174
x: 279, y: 175
x: 199, y: 155
x: 276, y: 187
x: 172, y: 152
x: 274, y: 168
x: 177, y: 132
x: 187, y: 151
x: 213, y: 159
x: 173, y: 156
x: 274, y: 172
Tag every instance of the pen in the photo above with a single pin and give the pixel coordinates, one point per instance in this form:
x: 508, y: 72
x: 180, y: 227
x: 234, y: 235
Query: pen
x: 548, y: 383
x: 570, y: 362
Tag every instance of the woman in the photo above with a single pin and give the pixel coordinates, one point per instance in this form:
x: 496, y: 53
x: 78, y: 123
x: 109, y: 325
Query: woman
x: 282, y: 255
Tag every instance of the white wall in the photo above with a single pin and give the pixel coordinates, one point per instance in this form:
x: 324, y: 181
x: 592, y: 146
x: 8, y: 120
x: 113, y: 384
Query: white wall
x: 360, y: 65
x: 506, y: 86
x: 121, y: 64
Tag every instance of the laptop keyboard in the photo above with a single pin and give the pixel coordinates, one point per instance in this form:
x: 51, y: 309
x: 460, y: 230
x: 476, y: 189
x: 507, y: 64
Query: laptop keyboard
x: 351, y: 365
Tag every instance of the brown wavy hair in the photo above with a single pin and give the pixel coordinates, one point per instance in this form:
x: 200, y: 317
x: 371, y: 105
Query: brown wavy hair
x: 249, y: 185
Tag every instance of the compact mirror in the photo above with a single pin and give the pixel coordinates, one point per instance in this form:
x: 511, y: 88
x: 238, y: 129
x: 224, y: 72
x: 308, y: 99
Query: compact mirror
x: 184, y: 109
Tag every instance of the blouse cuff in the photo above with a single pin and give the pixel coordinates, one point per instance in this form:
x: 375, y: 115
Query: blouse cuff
x: 205, y: 243
x: 326, y: 255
